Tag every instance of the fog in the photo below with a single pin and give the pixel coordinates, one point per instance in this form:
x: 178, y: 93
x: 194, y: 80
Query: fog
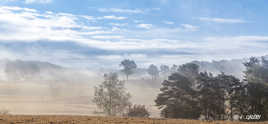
x: 34, y: 87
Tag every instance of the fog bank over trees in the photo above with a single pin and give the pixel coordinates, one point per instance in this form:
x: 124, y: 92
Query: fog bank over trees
x: 232, y: 67
x: 23, y: 69
x: 33, y: 82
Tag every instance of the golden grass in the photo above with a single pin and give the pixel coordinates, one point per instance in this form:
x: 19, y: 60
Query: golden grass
x: 27, y: 119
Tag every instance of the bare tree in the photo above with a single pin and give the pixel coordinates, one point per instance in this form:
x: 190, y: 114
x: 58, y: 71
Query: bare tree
x: 111, y: 95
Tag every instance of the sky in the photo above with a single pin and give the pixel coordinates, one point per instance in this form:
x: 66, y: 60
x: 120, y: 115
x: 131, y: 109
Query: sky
x: 101, y: 33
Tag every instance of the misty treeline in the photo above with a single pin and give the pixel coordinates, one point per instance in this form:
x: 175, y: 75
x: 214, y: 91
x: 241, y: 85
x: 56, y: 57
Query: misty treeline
x: 189, y: 93
x: 130, y: 67
x: 112, y: 97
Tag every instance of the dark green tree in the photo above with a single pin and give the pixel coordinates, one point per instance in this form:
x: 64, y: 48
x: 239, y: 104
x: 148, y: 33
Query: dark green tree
x: 190, y: 94
x: 220, y: 95
x: 256, y: 76
x: 189, y: 70
x: 178, y: 97
x: 234, y: 92
x: 211, y: 96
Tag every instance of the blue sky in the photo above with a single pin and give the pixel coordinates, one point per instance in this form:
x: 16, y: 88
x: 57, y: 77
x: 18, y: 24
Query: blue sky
x: 95, y: 33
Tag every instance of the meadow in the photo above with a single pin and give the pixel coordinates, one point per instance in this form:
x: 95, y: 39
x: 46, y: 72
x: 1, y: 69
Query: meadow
x: 49, y: 119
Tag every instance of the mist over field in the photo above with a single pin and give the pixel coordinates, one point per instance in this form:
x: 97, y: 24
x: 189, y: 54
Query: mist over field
x: 32, y: 87
x: 36, y: 87
x: 181, y: 59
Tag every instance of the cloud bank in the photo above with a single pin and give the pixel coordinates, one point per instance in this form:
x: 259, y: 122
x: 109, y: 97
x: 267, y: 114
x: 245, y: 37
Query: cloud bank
x: 81, y: 40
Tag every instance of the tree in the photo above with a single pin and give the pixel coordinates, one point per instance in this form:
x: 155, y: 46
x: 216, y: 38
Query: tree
x: 211, y: 97
x: 189, y: 70
x: 178, y: 97
x: 173, y: 68
x: 111, y: 96
x: 191, y: 94
x: 256, y: 76
x: 129, y: 67
x: 153, y: 71
x: 138, y: 111
x: 218, y: 95
x: 234, y: 94
x: 164, y: 69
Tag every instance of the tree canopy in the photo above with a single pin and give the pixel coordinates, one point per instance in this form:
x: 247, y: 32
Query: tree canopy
x: 129, y: 67
x: 189, y: 93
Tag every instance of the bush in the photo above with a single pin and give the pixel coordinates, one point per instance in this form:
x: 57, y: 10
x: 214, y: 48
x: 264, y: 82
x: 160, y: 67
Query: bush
x: 138, y: 111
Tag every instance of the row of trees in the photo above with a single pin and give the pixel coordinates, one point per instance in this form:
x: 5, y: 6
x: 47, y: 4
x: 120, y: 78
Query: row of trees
x: 129, y: 68
x: 191, y: 94
x: 113, y: 99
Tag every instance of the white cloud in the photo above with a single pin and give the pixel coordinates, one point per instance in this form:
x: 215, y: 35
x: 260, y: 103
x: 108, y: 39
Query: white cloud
x: 29, y: 25
x: 34, y: 26
x: 30, y: 1
x: 188, y: 27
x: 7, y: 9
x: 127, y: 11
x: 107, y: 37
x: 37, y: 1
x: 94, y: 33
x: 236, y: 45
x: 240, y: 38
x: 117, y: 10
x: 222, y: 20
x: 108, y: 17
x: 110, y: 57
x: 119, y: 24
x: 145, y: 26
x: 112, y: 17
x: 90, y: 18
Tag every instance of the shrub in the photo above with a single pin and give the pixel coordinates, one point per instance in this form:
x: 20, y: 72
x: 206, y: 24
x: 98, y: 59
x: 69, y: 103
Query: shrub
x: 138, y: 111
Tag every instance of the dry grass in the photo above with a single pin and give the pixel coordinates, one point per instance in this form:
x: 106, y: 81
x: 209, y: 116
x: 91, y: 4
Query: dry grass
x: 27, y: 119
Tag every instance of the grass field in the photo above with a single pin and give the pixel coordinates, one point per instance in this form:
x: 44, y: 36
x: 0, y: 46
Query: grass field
x: 28, y: 119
